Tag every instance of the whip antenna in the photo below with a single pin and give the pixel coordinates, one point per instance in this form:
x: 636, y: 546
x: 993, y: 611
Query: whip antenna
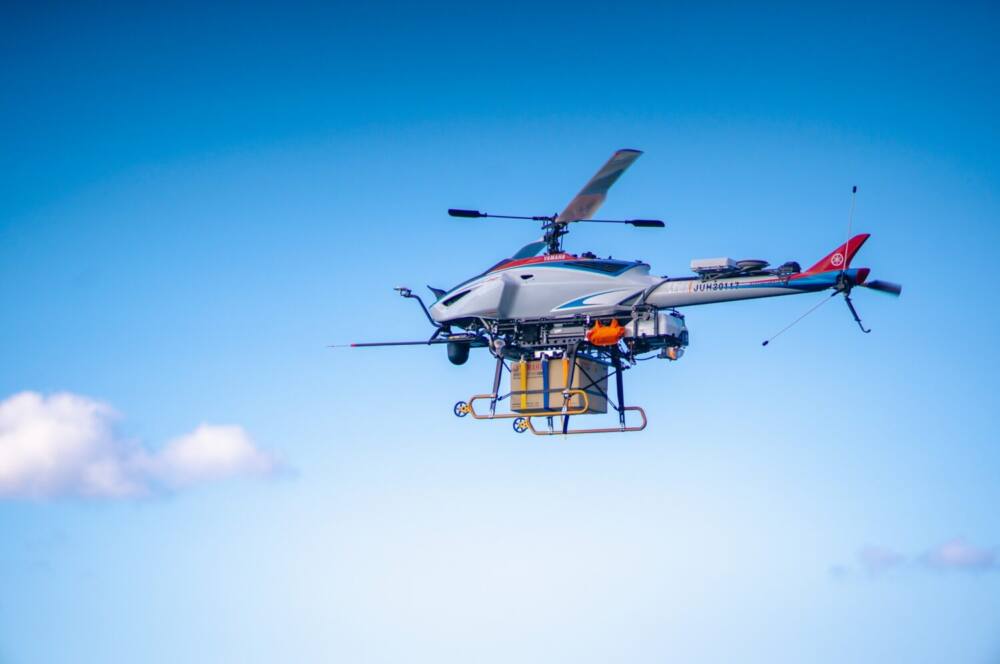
x: 850, y: 223
x: 787, y: 327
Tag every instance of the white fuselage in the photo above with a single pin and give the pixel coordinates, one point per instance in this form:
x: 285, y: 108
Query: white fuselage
x: 564, y: 285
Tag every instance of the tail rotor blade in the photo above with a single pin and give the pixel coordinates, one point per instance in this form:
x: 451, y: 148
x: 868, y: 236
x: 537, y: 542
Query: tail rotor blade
x: 884, y: 287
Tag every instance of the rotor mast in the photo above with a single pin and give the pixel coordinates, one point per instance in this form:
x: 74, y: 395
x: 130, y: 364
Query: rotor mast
x: 554, y: 232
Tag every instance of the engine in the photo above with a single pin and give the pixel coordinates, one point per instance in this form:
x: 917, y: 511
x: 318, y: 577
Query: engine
x: 639, y: 331
x: 657, y: 330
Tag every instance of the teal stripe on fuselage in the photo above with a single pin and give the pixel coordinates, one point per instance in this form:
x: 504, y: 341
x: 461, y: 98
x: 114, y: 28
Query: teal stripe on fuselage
x: 582, y: 301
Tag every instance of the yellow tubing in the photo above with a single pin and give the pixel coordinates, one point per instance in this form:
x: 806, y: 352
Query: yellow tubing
x: 524, y: 384
x: 617, y: 429
x: 582, y: 410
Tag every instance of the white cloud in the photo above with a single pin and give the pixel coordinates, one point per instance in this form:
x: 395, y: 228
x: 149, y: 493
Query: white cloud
x: 210, y: 453
x: 956, y: 554
x: 878, y: 559
x: 65, y: 445
x: 960, y: 555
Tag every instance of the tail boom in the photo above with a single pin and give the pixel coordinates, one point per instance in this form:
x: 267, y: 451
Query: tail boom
x: 690, y: 292
x: 832, y: 271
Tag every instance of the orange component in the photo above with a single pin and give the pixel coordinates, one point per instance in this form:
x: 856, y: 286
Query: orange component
x: 605, y: 335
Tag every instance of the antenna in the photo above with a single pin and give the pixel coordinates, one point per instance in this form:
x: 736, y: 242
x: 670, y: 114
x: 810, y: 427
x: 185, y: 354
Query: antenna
x: 809, y: 311
x: 850, y: 223
x: 844, y: 285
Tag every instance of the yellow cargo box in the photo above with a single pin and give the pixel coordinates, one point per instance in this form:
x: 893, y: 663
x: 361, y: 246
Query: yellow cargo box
x: 540, y: 387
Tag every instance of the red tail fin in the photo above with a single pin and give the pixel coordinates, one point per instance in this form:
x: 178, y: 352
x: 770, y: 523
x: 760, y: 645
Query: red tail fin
x: 840, y: 258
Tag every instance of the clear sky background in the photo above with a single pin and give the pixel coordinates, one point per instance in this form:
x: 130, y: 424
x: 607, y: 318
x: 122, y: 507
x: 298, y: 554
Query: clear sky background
x: 195, y: 201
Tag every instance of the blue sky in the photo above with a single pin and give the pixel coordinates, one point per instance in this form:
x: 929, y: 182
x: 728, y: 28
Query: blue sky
x: 197, y: 200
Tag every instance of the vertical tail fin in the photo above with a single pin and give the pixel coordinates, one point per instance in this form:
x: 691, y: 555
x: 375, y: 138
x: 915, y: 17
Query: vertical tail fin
x: 840, y: 258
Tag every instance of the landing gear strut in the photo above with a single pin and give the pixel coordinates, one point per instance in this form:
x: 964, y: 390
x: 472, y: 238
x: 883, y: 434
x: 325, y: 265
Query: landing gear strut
x: 844, y: 286
x: 576, y: 400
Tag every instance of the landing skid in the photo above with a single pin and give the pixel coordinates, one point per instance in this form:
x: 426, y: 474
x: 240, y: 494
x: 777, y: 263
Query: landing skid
x: 469, y: 409
x: 621, y: 428
x: 523, y: 422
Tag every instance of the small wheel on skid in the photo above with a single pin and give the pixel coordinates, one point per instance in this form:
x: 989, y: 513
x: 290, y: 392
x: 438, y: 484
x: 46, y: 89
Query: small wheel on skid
x: 520, y: 424
x: 462, y: 409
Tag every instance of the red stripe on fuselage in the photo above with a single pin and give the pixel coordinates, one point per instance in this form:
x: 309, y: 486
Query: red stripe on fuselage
x: 535, y: 259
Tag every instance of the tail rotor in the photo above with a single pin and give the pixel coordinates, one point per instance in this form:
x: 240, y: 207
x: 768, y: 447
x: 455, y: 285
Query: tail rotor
x: 845, y: 283
x: 847, y: 280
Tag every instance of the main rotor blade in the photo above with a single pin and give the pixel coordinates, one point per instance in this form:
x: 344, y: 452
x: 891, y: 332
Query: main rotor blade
x: 638, y: 223
x: 476, y: 214
x: 586, y: 203
x: 465, y: 213
x: 884, y: 287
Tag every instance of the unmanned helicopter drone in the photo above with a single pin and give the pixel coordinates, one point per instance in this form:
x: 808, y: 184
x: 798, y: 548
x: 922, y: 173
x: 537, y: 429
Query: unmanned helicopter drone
x: 564, y: 324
